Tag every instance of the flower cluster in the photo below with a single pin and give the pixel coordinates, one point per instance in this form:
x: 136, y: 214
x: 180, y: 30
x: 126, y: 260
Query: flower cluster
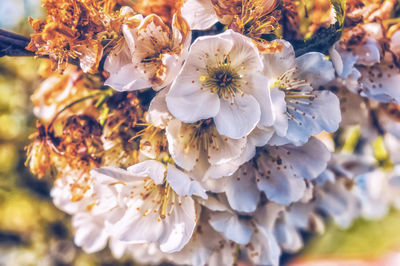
x: 211, y: 131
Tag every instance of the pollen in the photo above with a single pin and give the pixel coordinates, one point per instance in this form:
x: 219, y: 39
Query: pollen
x: 201, y: 135
x: 222, y: 79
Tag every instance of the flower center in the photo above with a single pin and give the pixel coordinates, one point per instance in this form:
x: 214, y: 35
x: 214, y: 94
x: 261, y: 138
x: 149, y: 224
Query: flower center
x: 151, y: 139
x: 161, y: 199
x: 298, y: 92
x: 289, y: 82
x: 256, y: 19
x: 200, y: 135
x: 222, y: 79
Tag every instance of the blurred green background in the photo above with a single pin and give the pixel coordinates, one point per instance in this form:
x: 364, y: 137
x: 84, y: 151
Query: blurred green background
x: 34, y: 232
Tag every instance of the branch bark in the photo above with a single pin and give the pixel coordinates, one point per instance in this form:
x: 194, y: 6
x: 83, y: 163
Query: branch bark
x: 12, y: 44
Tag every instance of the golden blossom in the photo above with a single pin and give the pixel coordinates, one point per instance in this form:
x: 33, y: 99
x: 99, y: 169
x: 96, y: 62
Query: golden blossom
x: 77, y: 29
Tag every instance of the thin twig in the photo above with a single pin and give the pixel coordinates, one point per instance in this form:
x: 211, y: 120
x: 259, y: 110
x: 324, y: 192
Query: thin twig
x: 13, y: 35
x: 12, y: 44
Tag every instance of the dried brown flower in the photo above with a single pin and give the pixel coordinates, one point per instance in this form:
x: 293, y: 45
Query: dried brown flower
x: 254, y: 18
x: 163, y: 8
x: 77, y: 29
x: 38, y: 152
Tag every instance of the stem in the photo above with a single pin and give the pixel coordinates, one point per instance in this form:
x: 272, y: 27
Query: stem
x: 12, y: 44
x: 90, y: 96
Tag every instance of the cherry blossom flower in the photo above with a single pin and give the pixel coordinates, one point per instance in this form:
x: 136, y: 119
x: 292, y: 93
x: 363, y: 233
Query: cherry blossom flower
x: 367, y: 67
x: 200, y: 14
x: 151, y: 55
x: 221, y: 80
x: 301, y: 109
x: 253, y: 233
x: 196, y: 147
x: 153, y: 199
x: 281, y: 172
x: 252, y: 18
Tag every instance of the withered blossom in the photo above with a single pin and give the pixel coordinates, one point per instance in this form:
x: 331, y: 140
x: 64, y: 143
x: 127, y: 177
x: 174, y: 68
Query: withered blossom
x: 290, y: 20
x: 165, y: 9
x: 59, y: 90
x: 126, y: 127
x: 360, y: 13
x: 38, y: 152
x: 255, y: 19
x: 151, y: 55
x: 81, y: 30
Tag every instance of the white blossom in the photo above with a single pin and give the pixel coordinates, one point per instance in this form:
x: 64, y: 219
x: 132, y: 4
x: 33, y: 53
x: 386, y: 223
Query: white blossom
x: 301, y: 109
x: 221, y: 79
x: 151, y: 55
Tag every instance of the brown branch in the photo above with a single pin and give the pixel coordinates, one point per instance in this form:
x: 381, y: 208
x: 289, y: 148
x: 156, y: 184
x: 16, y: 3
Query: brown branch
x: 12, y: 44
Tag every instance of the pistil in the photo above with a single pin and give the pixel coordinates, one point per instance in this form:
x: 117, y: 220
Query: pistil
x: 222, y: 80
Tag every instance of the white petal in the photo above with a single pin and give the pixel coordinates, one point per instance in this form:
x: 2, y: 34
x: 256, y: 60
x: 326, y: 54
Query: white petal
x: 244, y: 54
x: 90, y: 233
x: 259, y: 137
x: 275, y: 64
x: 130, y: 33
x: 309, y: 160
x: 171, y: 233
x: 123, y: 75
x: 215, y: 185
x: 281, y: 188
x: 237, y: 120
x: 279, y: 105
x: 117, y: 248
x: 278, y: 141
x: 315, y: 69
x: 180, y: 227
x: 202, y: 244
x: 310, y: 117
x: 225, y: 255
x: 117, y: 59
x: 220, y: 170
x: 231, y: 227
x: 395, y: 43
x: 150, y: 168
x: 266, y: 249
x: 146, y: 228
x: 279, y: 179
x: 288, y: 237
x: 199, y: 14
x: 107, y: 198
x: 368, y: 54
x: 209, y: 51
x: 214, y: 204
x: 158, y: 113
x: 225, y: 149
x: 184, y: 156
x: 380, y: 83
x: 185, y: 95
x: 173, y: 64
x: 181, y: 183
x: 241, y: 189
x: 267, y: 215
x: 342, y: 60
x: 338, y: 202
x: 227, y: 169
x: 127, y: 79
x: 261, y: 92
x: 109, y: 174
